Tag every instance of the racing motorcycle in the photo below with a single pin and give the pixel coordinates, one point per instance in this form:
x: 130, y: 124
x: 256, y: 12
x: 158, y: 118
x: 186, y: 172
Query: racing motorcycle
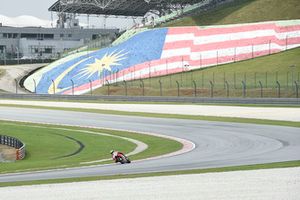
x: 121, y: 158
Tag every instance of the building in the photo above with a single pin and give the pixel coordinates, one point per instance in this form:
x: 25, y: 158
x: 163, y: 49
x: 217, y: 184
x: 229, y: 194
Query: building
x: 45, y: 43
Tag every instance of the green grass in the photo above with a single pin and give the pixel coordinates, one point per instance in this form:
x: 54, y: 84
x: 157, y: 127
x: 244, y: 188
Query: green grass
x: 184, y: 172
x: 244, y: 11
x: 283, y: 67
x: 44, y: 146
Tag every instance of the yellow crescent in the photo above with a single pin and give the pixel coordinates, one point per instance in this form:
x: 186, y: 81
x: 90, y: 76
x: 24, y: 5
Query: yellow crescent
x: 61, y: 77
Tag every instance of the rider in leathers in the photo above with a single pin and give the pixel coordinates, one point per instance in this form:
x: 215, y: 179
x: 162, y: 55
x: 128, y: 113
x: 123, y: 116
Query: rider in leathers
x: 115, y: 154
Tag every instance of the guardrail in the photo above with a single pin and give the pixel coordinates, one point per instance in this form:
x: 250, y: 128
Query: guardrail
x: 216, y: 100
x: 15, y: 143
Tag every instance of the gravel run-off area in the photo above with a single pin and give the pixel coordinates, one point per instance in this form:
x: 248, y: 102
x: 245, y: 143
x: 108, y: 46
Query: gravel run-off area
x: 271, y: 184
x: 7, y: 154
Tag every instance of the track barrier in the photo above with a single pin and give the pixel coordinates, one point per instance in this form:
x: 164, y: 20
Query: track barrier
x: 15, y: 143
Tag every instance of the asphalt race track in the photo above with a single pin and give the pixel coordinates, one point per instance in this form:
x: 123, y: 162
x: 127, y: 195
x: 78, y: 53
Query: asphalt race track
x: 218, y: 144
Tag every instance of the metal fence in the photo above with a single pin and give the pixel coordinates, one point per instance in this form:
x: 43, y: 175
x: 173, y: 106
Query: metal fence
x: 201, y: 84
x: 181, y: 99
x: 24, y: 61
x: 15, y: 143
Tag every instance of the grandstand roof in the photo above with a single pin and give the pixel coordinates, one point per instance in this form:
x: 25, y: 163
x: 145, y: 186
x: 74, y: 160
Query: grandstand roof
x: 136, y: 8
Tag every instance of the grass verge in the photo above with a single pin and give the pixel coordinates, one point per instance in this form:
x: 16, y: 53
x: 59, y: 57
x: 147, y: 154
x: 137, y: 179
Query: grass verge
x: 185, y: 172
x: 39, y: 137
x: 243, y: 11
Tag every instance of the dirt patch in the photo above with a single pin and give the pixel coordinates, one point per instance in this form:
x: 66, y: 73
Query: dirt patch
x: 12, y: 72
x: 2, y: 72
x: 7, y: 154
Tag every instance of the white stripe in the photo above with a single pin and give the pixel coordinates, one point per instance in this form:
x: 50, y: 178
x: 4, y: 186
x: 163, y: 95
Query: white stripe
x: 292, y: 46
x: 233, y: 36
x: 293, y: 34
x: 175, y: 52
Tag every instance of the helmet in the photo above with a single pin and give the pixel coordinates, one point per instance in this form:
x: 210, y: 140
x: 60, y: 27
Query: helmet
x: 112, y: 151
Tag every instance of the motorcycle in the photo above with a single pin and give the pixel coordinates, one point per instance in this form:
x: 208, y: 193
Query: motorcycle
x: 122, y: 159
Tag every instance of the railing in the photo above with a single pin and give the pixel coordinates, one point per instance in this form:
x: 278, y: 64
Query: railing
x: 186, y: 11
x: 128, y: 34
x: 143, y: 27
x: 25, y: 61
x: 157, y: 99
x: 103, y: 42
x: 15, y: 143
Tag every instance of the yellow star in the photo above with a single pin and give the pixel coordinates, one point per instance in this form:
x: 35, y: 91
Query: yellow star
x: 101, y: 64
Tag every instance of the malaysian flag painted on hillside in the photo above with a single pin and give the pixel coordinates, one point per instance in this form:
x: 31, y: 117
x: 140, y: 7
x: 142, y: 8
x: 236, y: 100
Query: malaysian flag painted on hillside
x: 164, y: 51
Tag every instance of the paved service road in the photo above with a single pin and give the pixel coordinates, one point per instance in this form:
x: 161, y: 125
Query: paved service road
x: 218, y: 144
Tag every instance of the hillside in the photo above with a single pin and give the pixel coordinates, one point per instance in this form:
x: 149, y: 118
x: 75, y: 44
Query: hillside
x: 163, y: 51
x: 244, y: 11
x: 282, y: 67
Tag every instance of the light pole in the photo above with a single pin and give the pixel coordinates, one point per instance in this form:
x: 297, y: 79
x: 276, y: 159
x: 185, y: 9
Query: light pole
x: 18, y: 55
x: 72, y: 87
x: 91, y: 87
x: 16, y: 81
x: 107, y: 82
x: 53, y: 83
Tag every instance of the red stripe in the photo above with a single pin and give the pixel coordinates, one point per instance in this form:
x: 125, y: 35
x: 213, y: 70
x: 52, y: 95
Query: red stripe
x: 291, y: 28
x: 182, y: 30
